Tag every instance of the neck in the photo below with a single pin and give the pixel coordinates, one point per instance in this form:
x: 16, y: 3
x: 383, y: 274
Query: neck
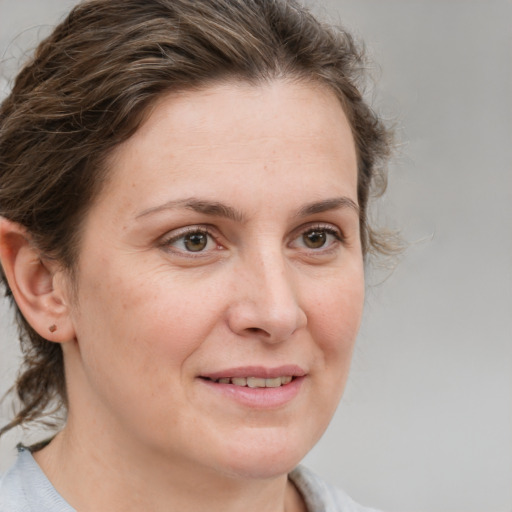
x: 92, y: 474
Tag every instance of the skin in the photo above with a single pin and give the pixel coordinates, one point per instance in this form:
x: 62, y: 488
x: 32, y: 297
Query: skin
x: 150, y: 317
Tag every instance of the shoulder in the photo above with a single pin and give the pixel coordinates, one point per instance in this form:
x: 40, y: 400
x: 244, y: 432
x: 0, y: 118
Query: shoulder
x: 321, y: 496
x: 12, y: 498
x: 25, y: 488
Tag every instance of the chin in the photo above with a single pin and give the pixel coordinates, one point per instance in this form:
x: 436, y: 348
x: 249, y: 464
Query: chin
x: 262, y: 468
x: 267, y: 456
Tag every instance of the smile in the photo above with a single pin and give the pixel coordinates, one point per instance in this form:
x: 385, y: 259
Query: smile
x: 257, y: 387
x: 255, y: 382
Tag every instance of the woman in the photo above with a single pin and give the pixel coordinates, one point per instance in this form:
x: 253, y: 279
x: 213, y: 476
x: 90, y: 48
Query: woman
x: 184, y: 188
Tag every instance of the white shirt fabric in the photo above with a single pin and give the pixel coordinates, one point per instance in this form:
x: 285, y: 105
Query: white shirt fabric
x: 25, y: 488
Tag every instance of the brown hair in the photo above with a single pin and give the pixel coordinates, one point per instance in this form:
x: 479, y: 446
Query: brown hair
x: 88, y: 88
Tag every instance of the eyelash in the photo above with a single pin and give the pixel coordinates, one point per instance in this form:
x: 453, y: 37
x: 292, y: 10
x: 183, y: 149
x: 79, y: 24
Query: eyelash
x: 190, y: 230
x: 326, y: 228
x: 207, y: 231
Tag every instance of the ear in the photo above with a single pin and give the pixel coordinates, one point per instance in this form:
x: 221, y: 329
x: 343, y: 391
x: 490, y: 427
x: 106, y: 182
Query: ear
x: 40, y: 287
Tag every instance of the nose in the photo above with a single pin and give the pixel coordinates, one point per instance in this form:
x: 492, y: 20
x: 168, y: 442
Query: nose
x: 266, y: 302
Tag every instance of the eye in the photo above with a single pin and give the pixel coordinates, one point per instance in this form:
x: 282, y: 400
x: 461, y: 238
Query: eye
x: 315, y: 239
x: 318, y: 237
x: 192, y: 240
x: 195, y: 242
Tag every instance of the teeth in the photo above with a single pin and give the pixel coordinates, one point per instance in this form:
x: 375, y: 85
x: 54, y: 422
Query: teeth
x: 273, y: 383
x: 256, y: 382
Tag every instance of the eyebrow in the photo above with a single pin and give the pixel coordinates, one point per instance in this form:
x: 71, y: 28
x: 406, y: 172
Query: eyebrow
x: 213, y: 208
x: 218, y: 209
x: 334, y: 203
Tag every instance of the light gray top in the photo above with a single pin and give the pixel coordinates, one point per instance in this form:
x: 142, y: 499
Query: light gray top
x: 25, y: 488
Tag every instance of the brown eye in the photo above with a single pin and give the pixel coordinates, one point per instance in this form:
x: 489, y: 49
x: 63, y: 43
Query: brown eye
x: 195, y: 242
x: 315, y: 239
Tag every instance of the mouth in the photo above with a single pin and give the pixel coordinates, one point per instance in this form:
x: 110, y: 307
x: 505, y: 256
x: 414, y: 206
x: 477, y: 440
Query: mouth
x: 254, y: 382
x: 257, y: 387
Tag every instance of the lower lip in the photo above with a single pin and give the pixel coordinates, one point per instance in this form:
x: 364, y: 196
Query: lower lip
x: 258, y: 398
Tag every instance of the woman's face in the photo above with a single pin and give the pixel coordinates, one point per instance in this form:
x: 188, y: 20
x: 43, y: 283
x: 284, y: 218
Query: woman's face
x: 220, y: 280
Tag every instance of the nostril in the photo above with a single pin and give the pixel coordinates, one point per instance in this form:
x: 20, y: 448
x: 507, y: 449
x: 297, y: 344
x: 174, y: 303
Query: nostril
x: 256, y: 330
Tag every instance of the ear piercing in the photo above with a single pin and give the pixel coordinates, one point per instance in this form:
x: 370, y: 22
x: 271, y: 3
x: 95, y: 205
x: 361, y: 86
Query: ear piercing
x: 52, y: 328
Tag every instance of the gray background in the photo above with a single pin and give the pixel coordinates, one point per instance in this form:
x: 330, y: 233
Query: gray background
x: 426, y: 422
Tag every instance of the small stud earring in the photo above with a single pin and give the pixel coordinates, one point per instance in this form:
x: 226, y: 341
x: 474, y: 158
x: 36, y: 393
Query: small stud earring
x: 52, y: 328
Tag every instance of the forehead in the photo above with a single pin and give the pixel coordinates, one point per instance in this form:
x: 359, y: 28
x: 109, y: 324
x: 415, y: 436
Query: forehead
x: 233, y: 128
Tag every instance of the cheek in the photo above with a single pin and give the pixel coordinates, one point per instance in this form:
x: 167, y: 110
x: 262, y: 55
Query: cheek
x: 143, y: 325
x: 337, y: 312
x: 333, y: 324
x: 134, y: 353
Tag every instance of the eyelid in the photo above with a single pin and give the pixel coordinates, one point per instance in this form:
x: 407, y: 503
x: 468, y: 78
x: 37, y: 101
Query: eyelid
x: 320, y: 226
x: 176, y: 234
x: 166, y: 241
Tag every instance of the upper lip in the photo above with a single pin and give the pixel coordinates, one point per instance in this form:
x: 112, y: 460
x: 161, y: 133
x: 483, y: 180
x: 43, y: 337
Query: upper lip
x: 262, y: 372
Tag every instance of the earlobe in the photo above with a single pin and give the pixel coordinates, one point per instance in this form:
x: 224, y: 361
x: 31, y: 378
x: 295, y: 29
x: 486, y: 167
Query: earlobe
x: 38, y: 285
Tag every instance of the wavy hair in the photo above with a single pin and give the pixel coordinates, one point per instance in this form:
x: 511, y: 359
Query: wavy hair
x: 89, y: 86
